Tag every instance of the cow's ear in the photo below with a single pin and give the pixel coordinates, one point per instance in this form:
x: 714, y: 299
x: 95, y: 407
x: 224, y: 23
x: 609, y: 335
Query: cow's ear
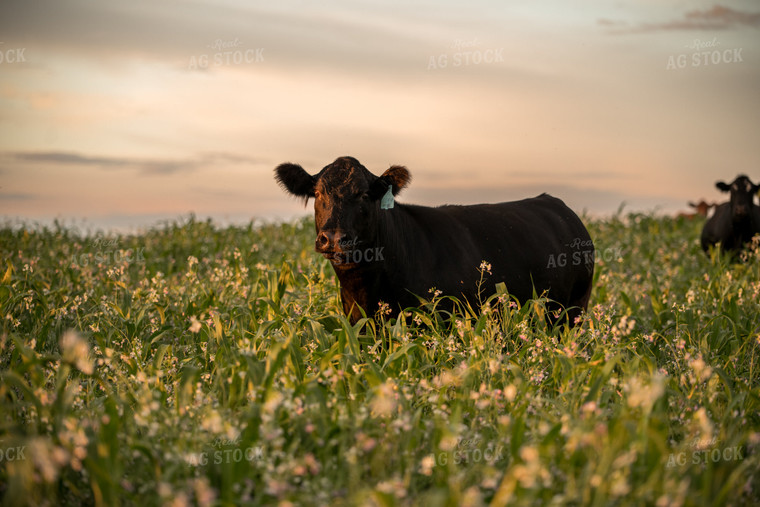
x: 397, y: 176
x: 723, y: 187
x: 295, y: 180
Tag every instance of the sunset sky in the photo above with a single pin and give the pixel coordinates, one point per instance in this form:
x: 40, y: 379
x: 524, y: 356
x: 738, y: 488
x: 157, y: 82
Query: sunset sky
x: 124, y: 113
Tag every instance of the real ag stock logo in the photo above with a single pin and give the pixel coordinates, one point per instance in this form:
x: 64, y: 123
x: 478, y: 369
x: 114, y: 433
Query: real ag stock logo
x: 226, y: 52
x: 466, y: 53
x: 225, y: 451
x: 469, y: 451
x: 351, y: 254
x: 580, y: 251
x: 11, y: 55
x: 707, y: 54
x: 12, y: 453
x: 107, y: 251
x: 705, y: 451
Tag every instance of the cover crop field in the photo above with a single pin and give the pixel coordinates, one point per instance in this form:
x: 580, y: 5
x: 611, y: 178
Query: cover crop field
x: 197, y: 365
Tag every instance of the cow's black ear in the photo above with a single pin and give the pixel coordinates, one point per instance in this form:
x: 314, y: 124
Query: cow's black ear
x: 723, y: 187
x: 397, y: 176
x: 295, y: 180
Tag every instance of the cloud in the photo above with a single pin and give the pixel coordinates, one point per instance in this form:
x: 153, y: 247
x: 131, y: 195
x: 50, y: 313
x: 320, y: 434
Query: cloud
x: 64, y: 158
x: 17, y: 196
x: 108, y: 27
x: 142, y: 165
x: 716, y: 18
x: 111, y: 32
x: 611, y: 23
x: 367, y: 42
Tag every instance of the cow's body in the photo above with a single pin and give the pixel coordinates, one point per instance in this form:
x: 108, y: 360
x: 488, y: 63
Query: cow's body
x: 533, y: 244
x: 731, y: 236
x: 734, y: 223
x: 536, y: 242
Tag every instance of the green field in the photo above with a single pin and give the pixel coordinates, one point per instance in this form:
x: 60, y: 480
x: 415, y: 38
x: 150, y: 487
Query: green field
x: 198, y: 365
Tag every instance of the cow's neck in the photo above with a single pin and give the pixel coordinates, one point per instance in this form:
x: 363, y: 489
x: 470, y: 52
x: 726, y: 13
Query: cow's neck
x: 357, y: 287
x: 746, y: 228
x: 364, y: 283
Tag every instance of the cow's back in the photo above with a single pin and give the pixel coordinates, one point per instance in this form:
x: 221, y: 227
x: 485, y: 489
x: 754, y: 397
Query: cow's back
x: 537, y: 243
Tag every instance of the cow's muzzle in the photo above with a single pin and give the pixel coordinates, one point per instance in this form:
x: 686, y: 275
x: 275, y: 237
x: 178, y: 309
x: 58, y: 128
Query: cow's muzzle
x: 329, y: 242
x: 741, y: 212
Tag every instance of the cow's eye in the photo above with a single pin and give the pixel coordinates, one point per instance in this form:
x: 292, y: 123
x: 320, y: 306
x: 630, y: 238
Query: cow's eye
x: 317, y: 194
x: 364, y: 196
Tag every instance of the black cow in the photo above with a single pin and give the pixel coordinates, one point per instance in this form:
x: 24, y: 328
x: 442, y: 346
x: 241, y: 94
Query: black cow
x: 387, y: 252
x: 735, y: 222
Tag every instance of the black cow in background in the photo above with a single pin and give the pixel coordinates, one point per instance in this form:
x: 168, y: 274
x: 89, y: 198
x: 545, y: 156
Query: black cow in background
x: 387, y: 252
x: 734, y: 223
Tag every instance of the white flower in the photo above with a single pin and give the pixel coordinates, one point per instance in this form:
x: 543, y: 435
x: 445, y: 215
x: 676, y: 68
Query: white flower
x: 426, y: 465
x: 384, y: 402
x: 204, y: 493
x: 74, y: 350
x: 212, y: 422
x: 645, y: 395
x: 195, y: 325
x: 701, y: 370
x: 273, y: 400
x: 705, y: 425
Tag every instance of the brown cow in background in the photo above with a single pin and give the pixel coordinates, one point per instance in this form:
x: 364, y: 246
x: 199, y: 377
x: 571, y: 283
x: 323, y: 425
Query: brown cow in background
x: 702, y: 209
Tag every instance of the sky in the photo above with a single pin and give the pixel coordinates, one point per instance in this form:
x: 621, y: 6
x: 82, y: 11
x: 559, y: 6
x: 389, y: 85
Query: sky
x: 119, y: 115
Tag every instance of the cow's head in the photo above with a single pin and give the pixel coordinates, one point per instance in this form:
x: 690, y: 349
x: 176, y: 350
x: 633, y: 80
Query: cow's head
x: 346, y: 200
x: 742, y: 195
x: 702, y: 207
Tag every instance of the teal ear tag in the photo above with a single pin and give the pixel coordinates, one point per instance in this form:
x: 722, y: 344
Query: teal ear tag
x: 387, y: 201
